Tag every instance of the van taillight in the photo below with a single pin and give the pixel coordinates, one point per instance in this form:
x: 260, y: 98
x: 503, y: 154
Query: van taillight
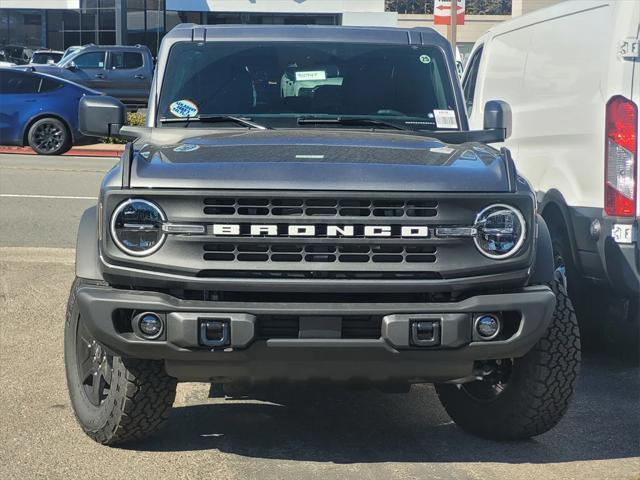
x: 621, y: 157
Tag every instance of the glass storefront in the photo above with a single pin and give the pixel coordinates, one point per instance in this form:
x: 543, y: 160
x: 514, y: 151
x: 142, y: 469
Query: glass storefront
x: 174, y: 18
x: 145, y: 21
x: 95, y: 22
x: 22, y: 27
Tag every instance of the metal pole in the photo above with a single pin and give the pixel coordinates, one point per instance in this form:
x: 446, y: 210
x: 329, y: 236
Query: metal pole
x: 454, y: 25
x: 121, y: 22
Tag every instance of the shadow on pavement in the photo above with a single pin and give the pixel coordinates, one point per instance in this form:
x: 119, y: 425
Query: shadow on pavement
x: 329, y: 424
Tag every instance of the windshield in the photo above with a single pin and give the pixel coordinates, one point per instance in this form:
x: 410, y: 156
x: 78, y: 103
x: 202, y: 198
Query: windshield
x: 285, y: 82
x: 69, y: 52
x: 46, y: 57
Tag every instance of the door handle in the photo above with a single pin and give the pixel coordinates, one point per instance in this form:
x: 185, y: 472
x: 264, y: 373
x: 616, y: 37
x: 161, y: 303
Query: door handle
x: 99, y: 75
x: 139, y: 77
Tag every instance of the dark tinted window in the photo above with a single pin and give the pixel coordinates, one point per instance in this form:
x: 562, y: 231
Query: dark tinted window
x: 14, y: 82
x: 49, y: 85
x: 46, y: 58
x: 90, y: 60
x: 410, y: 84
x: 126, y: 60
x: 470, y: 80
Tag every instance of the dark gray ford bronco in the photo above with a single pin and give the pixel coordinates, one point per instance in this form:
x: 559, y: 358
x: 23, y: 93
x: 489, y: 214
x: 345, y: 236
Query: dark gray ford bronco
x: 308, y: 204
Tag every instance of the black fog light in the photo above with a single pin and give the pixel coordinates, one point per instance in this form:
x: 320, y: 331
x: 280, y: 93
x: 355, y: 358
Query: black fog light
x: 488, y: 326
x: 150, y: 325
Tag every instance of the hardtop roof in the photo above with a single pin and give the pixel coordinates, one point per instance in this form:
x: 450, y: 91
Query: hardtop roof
x: 311, y: 33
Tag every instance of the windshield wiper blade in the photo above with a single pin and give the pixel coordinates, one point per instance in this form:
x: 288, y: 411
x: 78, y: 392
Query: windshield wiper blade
x: 351, y: 121
x: 217, y: 119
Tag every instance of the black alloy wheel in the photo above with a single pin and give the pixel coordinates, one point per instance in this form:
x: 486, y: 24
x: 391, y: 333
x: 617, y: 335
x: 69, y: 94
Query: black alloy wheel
x: 95, y: 366
x: 49, y: 136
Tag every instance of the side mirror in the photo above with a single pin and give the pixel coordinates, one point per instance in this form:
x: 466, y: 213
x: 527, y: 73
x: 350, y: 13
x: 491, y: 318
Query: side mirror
x: 71, y: 66
x: 497, y: 116
x: 101, y: 116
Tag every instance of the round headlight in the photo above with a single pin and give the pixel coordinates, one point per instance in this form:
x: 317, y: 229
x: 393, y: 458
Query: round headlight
x: 501, y: 231
x: 136, y: 227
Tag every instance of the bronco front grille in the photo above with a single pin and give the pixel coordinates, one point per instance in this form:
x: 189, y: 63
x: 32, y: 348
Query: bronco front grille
x: 319, y: 207
x: 319, y: 253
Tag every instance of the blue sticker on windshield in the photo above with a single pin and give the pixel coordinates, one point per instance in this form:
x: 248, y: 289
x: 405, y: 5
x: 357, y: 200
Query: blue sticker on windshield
x: 184, y: 109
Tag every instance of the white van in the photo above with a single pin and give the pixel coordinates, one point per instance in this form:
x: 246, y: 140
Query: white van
x: 571, y: 74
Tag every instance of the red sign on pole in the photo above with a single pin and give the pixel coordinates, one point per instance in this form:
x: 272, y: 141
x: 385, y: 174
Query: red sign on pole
x: 442, y: 12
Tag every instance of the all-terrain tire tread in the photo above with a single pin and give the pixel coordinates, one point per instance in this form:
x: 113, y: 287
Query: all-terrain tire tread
x: 144, y: 395
x: 544, y: 385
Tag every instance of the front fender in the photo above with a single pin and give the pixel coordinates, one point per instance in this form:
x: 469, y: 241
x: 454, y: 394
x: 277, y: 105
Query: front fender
x: 543, y: 267
x: 87, y: 248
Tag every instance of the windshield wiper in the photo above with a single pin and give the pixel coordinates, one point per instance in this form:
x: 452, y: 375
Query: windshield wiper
x: 217, y: 119
x: 351, y: 121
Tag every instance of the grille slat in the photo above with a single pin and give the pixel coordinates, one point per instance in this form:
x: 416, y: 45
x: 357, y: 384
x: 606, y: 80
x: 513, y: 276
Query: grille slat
x: 319, y: 207
x: 324, y: 253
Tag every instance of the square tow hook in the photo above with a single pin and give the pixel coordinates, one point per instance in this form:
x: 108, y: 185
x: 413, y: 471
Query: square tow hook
x: 214, y: 333
x: 425, y: 333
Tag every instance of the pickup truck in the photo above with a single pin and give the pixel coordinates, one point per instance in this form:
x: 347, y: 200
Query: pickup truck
x: 124, y: 72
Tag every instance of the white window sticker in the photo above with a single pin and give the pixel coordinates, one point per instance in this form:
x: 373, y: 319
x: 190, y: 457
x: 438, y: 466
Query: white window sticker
x: 622, y: 233
x: 315, y: 75
x: 184, y: 109
x: 445, y: 150
x: 445, y: 119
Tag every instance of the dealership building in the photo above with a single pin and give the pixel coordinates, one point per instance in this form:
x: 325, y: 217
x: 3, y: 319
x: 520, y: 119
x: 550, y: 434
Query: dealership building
x: 58, y: 24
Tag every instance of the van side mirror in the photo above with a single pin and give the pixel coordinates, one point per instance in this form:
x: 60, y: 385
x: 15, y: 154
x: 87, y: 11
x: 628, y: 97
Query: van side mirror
x: 497, y: 116
x: 71, y: 66
x: 101, y: 116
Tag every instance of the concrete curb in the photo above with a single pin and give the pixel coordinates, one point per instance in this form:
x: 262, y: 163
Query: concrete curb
x: 100, y: 150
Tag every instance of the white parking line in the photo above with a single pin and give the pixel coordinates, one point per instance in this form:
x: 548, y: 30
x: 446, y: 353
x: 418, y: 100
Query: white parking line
x: 54, y: 197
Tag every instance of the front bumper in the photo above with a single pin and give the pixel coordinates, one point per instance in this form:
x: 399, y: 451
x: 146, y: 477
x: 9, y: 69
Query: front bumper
x: 389, y: 358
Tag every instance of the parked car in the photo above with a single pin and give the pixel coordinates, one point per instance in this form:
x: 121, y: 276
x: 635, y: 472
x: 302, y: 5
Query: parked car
x: 571, y: 73
x: 46, y: 57
x: 120, y: 71
x: 17, y: 54
x: 40, y: 111
x: 242, y: 239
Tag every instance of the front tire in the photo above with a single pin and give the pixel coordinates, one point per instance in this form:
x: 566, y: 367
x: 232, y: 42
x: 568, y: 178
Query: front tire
x: 115, y: 399
x: 527, y: 396
x: 49, y: 136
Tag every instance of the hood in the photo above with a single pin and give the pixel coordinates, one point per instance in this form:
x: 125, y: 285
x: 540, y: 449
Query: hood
x: 318, y: 159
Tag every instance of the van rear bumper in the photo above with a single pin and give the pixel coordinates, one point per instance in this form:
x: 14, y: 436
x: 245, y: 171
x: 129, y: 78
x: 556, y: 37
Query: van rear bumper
x: 603, y: 258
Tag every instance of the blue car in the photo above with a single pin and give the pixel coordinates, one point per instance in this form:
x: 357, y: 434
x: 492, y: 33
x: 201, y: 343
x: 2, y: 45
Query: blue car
x: 40, y: 111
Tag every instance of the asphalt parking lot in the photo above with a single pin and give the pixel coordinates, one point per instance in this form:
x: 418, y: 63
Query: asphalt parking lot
x: 295, y: 432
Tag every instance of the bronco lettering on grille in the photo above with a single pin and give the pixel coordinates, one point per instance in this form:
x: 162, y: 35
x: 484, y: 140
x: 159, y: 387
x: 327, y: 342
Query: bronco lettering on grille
x: 330, y: 231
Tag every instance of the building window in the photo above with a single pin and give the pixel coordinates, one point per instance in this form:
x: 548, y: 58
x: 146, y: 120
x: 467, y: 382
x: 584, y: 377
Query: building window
x: 22, y: 27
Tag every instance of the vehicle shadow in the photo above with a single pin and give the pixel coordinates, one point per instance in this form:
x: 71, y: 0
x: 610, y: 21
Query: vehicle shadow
x: 330, y: 424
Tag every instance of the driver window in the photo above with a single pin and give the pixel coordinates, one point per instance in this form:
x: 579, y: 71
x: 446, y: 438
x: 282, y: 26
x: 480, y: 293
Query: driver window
x: 90, y: 60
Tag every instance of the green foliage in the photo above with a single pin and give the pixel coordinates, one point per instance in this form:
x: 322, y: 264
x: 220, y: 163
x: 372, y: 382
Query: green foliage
x: 473, y: 7
x: 135, y: 119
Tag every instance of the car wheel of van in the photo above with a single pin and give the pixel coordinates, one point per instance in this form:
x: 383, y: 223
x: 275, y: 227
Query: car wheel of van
x: 49, y: 136
x: 115, y: 399
x: 522, y: 397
